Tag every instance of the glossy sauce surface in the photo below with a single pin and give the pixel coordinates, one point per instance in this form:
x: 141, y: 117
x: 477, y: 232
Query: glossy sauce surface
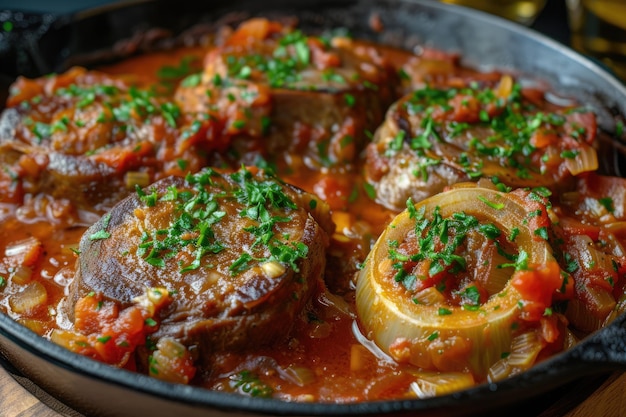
x: 324, y: 357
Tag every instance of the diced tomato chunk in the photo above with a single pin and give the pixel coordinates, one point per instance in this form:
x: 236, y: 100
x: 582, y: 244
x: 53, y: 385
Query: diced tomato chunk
x: 537, y: 287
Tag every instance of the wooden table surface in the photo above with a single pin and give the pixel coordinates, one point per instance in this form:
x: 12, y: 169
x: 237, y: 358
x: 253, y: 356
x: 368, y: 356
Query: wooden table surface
x: 609, y: 400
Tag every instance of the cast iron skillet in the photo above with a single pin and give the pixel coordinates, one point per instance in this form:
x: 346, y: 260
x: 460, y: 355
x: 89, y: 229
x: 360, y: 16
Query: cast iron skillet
x: 43, y: 44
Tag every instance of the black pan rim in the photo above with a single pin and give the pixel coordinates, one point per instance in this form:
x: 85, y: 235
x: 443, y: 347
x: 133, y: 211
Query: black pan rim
x: 571, y: 361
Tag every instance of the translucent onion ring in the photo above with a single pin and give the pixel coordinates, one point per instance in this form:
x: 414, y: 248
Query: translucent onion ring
x: 480, y: 338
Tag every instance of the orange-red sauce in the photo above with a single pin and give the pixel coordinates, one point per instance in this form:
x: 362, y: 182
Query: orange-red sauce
x: 322, y: 358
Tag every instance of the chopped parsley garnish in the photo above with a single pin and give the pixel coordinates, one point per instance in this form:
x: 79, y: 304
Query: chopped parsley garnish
x: 542, y: 232
x: 370, y: 191
x: 607, y: 203
x: 470, y: 298
x: 249, y: 383
x: 569, y: 154
x: 442, y: 311
x: 173, y: 73
x: 192, y: 80
x: 521, y: 262
x: 260, y: 199
x: 514, y: 232
x: 571, y: 264
x: 350, y: 100
x: 438, y: 241
x: 490, y: 230
x: 509, y: 125
x: 196, y: 211
x: 493, y: 205
x: 102, y: 233
x: 396, y: 143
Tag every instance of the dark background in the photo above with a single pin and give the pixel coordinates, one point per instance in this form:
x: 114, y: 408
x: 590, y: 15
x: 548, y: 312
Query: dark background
x: 552, y: 21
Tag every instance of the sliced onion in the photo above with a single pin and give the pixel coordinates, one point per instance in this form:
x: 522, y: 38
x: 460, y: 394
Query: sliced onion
x: 33, y: 296
x: 36, y: 326
x: 69, y: 339
x: 524, y: 350
x: 171, y: 362
x: 430, y: 385
x: 570, y: 340
x: 499, y: 371
x: 25, y: 252
x: 429, y: 296
x: 585, y: 161
x: 601, y: 302
x: 596, y: 302
x: 497, y: 278
x: 299, y: 375
x: 505, y: 86
x: 619, y: 309
x: 136, y: 178
x: 22, y: 275
x: 404, y: 329
x: 589, y: 256
x: 617, y: 230
x: 579, y: 317
x: 336, y: 302
x: 369, y: 345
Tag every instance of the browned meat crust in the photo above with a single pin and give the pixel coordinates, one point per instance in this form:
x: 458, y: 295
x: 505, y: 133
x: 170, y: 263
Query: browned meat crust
x: 290, y: 98
x: 435, y: 137
x: 242, y: 252
x: 78, y: 134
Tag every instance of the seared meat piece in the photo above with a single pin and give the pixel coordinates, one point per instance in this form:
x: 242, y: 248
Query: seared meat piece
x: 78, y: 134
x: 436, y: 137
x: 291, y: 98
x: 242, y: 253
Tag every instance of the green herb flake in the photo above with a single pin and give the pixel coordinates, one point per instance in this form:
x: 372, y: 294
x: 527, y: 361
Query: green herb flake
x: 569, y: 154
x: 249, y: 383
x: 619, y: 128
x: 490, y: 230
x: 266, y: 123
x: 192, y: 80
x: 239, y: 124
x: 444, y: 311
x: 521, y: 262
x: 172, y: 73
x: 403, y: 74
x: 607, y: 203
x: 370, y: 191
x: 470, y: 298
x: 493, y: 205
x: 542, y: 232
x: 182, y: 164
x: 100, y: 235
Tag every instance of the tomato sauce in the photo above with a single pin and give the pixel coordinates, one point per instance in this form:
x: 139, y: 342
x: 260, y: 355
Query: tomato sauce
x: 324, y: 357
